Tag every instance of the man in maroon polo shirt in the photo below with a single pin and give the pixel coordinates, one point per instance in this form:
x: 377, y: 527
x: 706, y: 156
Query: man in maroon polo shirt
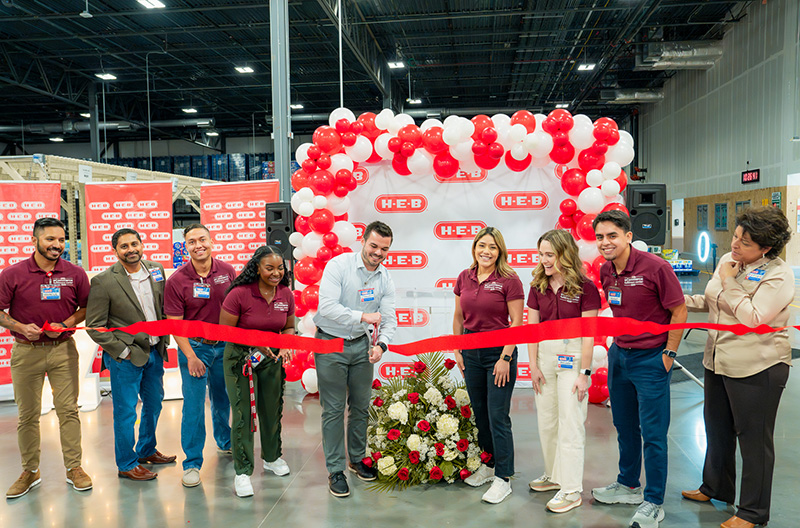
x: 37, y: 290
x: 643, y: 287
x: 195, y: 292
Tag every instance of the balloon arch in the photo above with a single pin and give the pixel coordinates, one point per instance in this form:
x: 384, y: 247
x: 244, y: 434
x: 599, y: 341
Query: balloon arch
x: 588, y: 158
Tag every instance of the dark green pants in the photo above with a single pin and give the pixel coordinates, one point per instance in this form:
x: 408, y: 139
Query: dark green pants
x: 268, y: 381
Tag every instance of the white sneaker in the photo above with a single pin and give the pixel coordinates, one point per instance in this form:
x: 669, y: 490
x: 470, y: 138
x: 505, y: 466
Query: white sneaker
x: 243, y: 486
x: 498, y: 492
x: 564, y: 502
x: 191, y: 478
x: 480, y: 477
x: 616, y: 493
x: 543, y: 483
x: 648, y: 515
x: 279, y: 467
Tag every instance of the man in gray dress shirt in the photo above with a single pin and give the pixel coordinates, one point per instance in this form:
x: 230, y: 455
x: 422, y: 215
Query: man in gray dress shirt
x: 355, y: 292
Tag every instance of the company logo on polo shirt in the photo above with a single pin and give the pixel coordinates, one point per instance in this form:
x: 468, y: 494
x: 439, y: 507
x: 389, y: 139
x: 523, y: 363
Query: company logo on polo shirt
x: 147, y: 204
x: 234, y: 205
x: 234, y: 226
x: 214, y: 227
x: 406, y: 260
x: 113, y: 215
x: 360, y: 227
x: 464, y: 177
x: 523, y: 258
x: 134, y: 215
x: 164, y: 257
x: 19, y: 217
x: 223, y: 216
x: 160, y: 235
x: 150, y: 247
x: 361, y: 175
x: 445, y: 283
x: 244, y: 215
x: 99, y: 227
x: 235, y: 246
x: 245, y: 235
x: 100, y: 248
x: 212, y: 206
x: 401, y: 203
x: 256, y: 204
x: 519, y: 200
x: 18, y: 239
x: 409, y: 317
x: 394, y: 369
x: 109, y: 259
x: 225, y: 257
x: 9, y: 250
x: 156, y: 215
x: 457, y: 230
x: 224, y: 236
x: 93, y: 206
x: 33, y: 205
x: 252, y: 246
x: 256, y: 225
x: 123, y: 205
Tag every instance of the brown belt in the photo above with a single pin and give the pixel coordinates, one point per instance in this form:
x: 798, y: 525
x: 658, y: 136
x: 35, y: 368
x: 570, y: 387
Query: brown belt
x: 205, y: 341
x: 40, y: 343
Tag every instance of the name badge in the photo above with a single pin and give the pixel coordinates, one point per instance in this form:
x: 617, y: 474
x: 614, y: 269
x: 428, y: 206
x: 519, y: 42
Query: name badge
x: 156, y: 274
x: 367, y: 294
x: 756, y: 275
x: 50, y: 293
x: 614, y: 296
x: 566, y: 362
x: 201, y: 291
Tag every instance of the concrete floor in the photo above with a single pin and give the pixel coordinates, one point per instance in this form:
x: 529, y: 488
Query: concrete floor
x: 301, y: 499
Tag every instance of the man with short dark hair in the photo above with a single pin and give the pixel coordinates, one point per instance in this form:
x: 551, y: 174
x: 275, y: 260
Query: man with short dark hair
x: 195, y: 292
x: 45, y: 288
x: 355, y: 292
x: 641, y: 286
x: 131, y: 291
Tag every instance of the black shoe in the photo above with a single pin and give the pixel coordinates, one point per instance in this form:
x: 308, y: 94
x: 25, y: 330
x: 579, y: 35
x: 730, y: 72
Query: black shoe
x: 363, y: 471
x: 337, y: 484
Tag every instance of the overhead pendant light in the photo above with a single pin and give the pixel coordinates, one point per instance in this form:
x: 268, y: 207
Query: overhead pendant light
x: 106, y: 76
x: 190, y: 110
x: 86, y: 13
x: 296, y: 106
x: 56, y: 139
x: 244, y: 69
x: 152, y: 4
x: 87, y: 115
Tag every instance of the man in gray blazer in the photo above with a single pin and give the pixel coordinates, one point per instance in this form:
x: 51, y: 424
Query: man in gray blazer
x: 131, y: 291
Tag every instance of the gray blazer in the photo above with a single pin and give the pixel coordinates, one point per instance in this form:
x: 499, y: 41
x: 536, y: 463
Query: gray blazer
x: 113, y: 303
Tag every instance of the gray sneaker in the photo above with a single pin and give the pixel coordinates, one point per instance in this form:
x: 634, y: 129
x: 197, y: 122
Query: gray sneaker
x: 648, y: 515
x: 616, y: 493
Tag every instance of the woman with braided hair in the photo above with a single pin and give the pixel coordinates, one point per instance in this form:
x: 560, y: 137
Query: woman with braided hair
x: 260, y: 298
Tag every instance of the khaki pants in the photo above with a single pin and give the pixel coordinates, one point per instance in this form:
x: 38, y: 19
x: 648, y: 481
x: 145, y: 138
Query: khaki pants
x: 561, y: 416
x: 29, y: 364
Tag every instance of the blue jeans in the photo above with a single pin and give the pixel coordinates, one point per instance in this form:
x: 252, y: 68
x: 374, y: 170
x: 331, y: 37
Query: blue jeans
x: 193, y: 422
x: 128, y: 383
x: 638, y: 385
x: 491, y: 405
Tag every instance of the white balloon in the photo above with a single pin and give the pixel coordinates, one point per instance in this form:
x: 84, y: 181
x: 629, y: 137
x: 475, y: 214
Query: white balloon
x: 621, y: 153
x: 311, y: 243
x: 345, y: 231
x: 296, y: 239
x: 383, y: 119
x: 590, y: 201
x: 451, y: 135
x: 518, y: 151
x: 301, y: 154
x: 420, y: 163
x: 306, y: 324
x: 338, y: 206
x: 462, y: 151
x: 615, y: 199
x: 539, y: 144
x: 382, y: 146
x: 517, y: 133
x: 500, y: 119
x: 309, y: 380
x: 319, y: 202
x: 305, y: 194
x: 625, y: 137
x: 581, y: 136
x: 539, y: 118
x: 540, y: 162
x: 610, y: 188
x: 361, y: 151
x: 611, y: 170
x: 305, y: 209
x: 297, y: 253
x: 581, y: 119
x: 503, y: 133
x: 466, y: 127
x: 599, y: 356
x: 587, y: 250
x: 340, y: 161
x: 428, y: 123
x: 340, y: 113
x: 451, y: 120
x: 640, y: 245
x: 399, y: 121
x: 296, y: 201
x: 594, y: 178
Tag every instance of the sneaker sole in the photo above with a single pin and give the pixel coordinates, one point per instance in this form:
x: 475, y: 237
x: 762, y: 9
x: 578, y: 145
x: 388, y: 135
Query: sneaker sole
x: 33, y: 485
x: 368, y: 479
x: 335, y: 494
x: 244, y: 496
x: 547, y: 487
x: 660, y: 518
x: 498, y: 501
x: 620, y: 500
x: 277, y: 474
x: 566, y: 508
x: 190, y: 484
x: 76, y: 488
x: 481, y: 483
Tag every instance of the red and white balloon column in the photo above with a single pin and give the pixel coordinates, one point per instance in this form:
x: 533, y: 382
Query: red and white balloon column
x: 587, y: 156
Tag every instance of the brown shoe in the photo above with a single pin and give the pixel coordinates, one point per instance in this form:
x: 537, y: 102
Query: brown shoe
x: 79, y: 479
x: 158, y: 458
x: 695, y: 495
x: 138, y: 473
x: 735, y: 522
x: 24, y: 483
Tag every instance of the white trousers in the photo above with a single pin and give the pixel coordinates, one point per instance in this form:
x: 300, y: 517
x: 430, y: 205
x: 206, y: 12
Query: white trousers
x: 561, y: 416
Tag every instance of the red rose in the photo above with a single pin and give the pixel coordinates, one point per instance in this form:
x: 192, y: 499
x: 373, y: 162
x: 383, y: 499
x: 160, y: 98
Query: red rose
x: 376, y: 384
x: 464, y: 473
x: 377, y: 402
x: 449, y: 364
x: 423, y: 425
x: 462, y: 445
x: 367, y: 461
x: 439, y: 448
x: 466, y: 412
x: 403, y: 473
x: 376, y: 455
x: 413, y: 457
x: 393, y: 434
x: 451, y: 402
x: 436, y: 473
x: 413, y: 397
x: 419, y: 367
x: 485, y: 457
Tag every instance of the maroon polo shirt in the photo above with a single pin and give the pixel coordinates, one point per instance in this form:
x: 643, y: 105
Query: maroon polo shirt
x: 485, y: 304
x: 649, y: 289
x: 179, y: 292
x: 21, y: 294
x: 253, y: 310
x: 552, y: 305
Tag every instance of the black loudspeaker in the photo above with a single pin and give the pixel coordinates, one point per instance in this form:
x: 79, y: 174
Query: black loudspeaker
x: 280, y: 224
x: 647, y: 203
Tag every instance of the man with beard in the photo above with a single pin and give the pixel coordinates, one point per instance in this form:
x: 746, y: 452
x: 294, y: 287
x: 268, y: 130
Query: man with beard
x: 355, y: 292
x: 34, y: 291
x: 131, y: 291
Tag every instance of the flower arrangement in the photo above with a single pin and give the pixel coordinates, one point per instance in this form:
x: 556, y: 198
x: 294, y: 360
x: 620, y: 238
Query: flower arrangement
x: 421, y: 428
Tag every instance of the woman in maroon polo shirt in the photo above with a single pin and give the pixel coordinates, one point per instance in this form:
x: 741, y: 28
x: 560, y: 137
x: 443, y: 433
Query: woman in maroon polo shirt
x: 560, y: 369
x: 259, y: 299
x: 488, y: 293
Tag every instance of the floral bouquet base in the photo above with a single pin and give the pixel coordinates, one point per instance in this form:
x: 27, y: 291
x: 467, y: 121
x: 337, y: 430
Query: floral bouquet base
x: 421, y: 428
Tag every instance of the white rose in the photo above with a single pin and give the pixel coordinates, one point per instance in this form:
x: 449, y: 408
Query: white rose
x: 413, y: 443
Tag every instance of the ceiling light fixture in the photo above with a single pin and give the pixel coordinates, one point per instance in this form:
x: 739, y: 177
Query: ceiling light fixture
x: 212, y: 133
x: 396, y: 65
x: 244, y: 69
x: 56, y: 139
x: 87, y: 115
x: 151, y: 4
x: 296, y: 106
x: 189, y: 110
x: 414, y: 101
x: 586, y: 67
x: 85, y: 13
x: 106, y: 76
x: 562, y: 105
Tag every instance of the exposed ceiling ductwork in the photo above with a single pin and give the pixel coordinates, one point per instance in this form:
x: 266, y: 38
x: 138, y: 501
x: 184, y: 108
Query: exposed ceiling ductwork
x: 70, y: 126
x: 679, y: 56
x: 632, y: 96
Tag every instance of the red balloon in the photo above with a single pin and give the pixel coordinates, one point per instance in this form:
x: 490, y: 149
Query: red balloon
x: 321, y: 221
x: 562, y: 154
x: 321, y: 182
x: 301, y: 225
x: 400, y: 165
x: 394, y: 145
x: 324, y: 254
x: 340, y: 191
x: 584, y: 227
x: 342, y: 176
x: 407, y: 149
x: 324, y: 162
x: 342, y: 125
x: 330, y: 240
x: 300, y: 179
x: 588, y: 160
x: 311, y: 297
x: 298, y: 298
x: 596, y: 265
x: 432, y: 140
x: 577, y: 215
x: 604, y: 128
x: 410, y: 134
x: 300, y: 311
x: 367, y: 120
x: 356, y: 127
x: 566, y: 222
x: 568, y: 206
x: 479, y: 148
x: 301, y: 356
x: 525, y: 118
x: 349, y: 139
x: 481, y: 122
x: 293, y: 372
x: 352, y: 184
x: 563, y: 119
x: 496, y: 150
x: 599, y: 148
x: 622, y: 179
x: 613, y: 137
x: 560, y: 139
x: 614, y: 206
x: 516, y: 165
x: 311, y: 362
x: 487, y: 162
x: 309, y: 165
x: 337, y: 250
x: 597, y: 393
x: 573, y: 182
x: 601, y: 376
x: 306, y: 272
x: 314, y: 152
x: 341, y: 217
x: 445, y: 166
x: 489, y: 135
x: 328, y: 139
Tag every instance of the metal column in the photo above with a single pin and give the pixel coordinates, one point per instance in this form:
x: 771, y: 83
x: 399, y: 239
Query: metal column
x: 281, y: 120
x: 94, y: 129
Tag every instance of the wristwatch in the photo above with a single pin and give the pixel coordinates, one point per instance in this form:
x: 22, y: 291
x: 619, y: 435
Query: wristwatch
x: 586, y: 372
x: 670, y: 353
x: 506, y: 358
x: 383, y: 346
